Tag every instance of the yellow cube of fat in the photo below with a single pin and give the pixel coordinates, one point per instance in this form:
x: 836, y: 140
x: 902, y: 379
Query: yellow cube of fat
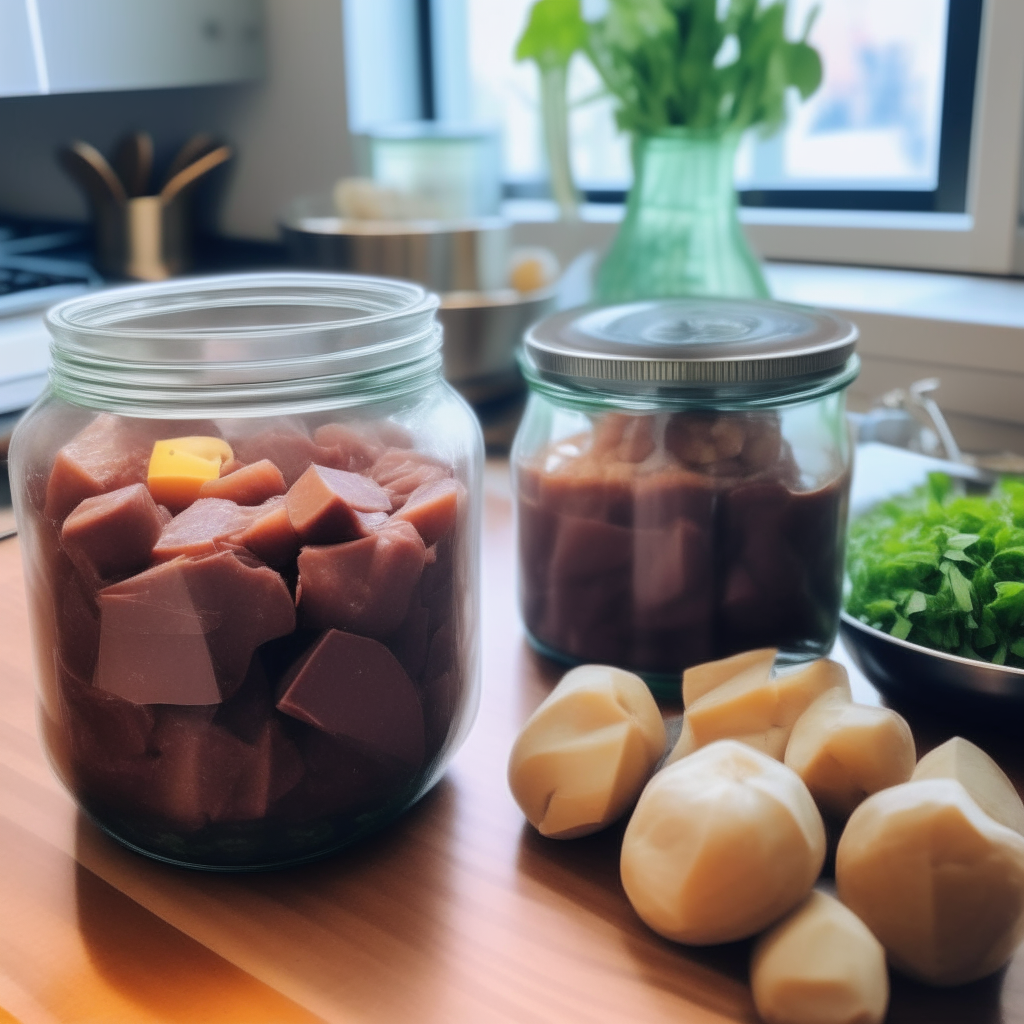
x: 179, y: 466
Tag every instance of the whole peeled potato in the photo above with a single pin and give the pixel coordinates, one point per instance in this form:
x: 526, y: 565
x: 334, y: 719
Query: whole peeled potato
x: 720, y: 845
x: 844, y: 752
x: 583, y: 756
x: 938, y: 881
x: 819, y: 965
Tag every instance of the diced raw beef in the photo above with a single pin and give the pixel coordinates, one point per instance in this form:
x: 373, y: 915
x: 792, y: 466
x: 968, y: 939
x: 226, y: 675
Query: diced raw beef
x: 250, y: 485
x: 400, y: 472
x: 353, y: 686
x: 270, y: 536
x: 364, y: 585
x: 108, y: 453
x: 349, y: 449
x: 113, y: 534
x: 433, y: 508
x: 324, y: 505
x: 196, y: 531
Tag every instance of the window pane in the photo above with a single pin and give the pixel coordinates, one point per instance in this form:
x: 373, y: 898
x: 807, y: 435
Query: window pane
x: 874, y: 124
x: 875, y: 121
x: 506, y: 92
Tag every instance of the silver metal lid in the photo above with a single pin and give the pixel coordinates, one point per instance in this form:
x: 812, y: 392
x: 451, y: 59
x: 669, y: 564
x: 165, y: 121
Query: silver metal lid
x: 690, y: 343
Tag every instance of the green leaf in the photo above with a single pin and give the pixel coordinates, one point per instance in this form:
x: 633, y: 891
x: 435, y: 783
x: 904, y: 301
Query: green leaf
x: 554, y: 31
x: 1008, y: 564
x: 901, y: 628
x: 658, y: 59
x: 804, y: 67
x: 961, y: 541
x: 939, y: 486
x: 953, y: 565
x: 1008, y: 607
x: 958, y: 556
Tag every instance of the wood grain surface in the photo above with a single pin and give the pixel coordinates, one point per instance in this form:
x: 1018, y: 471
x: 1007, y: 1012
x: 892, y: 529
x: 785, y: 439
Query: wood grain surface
x: 456, y: 913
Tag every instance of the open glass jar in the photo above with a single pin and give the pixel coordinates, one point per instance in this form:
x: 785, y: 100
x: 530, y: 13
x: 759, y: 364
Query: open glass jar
x: 682, y: 476
x: 249, y: 516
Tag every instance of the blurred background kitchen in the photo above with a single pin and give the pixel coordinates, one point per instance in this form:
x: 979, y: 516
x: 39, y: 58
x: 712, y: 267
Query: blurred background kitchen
x: 144, y: 138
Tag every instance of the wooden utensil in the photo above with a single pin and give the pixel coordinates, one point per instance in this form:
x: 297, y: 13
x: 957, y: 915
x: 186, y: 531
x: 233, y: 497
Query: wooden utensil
x: 193, y: 172
x: 133, y: 162
x: 90, y: 170
x: 199, y: 145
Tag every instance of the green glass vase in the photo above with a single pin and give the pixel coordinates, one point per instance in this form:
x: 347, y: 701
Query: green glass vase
x: 681, y: 234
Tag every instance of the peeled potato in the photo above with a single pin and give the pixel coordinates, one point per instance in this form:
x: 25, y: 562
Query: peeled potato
x: 987, y: 783
x: 721, y: 844
x: 584, y: 754
x: 939, y: 882
x: 845, y: 752
x: 757, y: 710
x: 702, y: 679
x: 770, y: 741
x: 820, y: 965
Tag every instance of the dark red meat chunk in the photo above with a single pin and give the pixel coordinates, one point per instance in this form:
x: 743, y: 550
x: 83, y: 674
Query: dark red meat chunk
x: 353, y: 686
x: 363, y: 586
x: 325, y: 505
x: 113, y: 534
x: 249, y: 485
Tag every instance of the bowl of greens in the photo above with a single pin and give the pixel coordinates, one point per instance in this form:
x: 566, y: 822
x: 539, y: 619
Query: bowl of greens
x: 934, y: 592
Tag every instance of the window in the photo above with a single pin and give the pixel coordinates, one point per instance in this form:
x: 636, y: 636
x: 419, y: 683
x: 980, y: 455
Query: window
x: 888, y: 129
x: 909, y: 155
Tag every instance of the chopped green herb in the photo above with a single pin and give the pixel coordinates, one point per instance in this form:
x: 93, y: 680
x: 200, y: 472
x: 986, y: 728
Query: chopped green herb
x: 943, y: 571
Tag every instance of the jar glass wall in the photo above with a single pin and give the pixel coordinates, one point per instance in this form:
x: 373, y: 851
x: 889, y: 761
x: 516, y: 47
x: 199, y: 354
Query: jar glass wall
x: 661, y: 526
x: 257, y: 663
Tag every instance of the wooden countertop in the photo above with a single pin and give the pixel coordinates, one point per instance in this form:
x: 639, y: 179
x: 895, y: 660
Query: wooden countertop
x: 456, y: 913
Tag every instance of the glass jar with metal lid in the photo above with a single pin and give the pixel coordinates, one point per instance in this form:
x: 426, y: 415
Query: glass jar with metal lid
x: 249, y: 513
x: 682, y: 476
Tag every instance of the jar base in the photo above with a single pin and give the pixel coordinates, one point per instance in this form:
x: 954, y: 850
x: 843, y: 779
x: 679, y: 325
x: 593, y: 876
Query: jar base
x: 667, y: 686
x: 223, y: 852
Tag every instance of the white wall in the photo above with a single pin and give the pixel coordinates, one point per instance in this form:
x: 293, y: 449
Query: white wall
x: 289, y: 131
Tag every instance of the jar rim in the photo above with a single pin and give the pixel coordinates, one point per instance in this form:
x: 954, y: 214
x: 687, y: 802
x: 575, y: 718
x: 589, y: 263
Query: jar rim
x: 238, y: 339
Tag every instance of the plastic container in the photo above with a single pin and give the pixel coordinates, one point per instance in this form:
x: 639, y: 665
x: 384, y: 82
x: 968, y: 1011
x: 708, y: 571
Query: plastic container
x: 682, y: 477
x: 249, y: 517
x: 445, y: 171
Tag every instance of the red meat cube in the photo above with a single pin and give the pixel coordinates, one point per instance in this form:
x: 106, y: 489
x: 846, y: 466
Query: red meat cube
x: 250, y: 485
x: 108, y: 453
x: 197, y: 530
x: 400, y: 472
x: 364, y: 585
x: 270, y: 536
x: 353, y: 686
x: 184, y: 632
x: 349, y: 449
x: 325, y: 504
x: 432, y: 508
x: 113, y: 534
x: 287, y: 446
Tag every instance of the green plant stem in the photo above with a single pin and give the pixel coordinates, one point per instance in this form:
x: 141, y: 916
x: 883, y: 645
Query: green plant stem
x: 555, y: 119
